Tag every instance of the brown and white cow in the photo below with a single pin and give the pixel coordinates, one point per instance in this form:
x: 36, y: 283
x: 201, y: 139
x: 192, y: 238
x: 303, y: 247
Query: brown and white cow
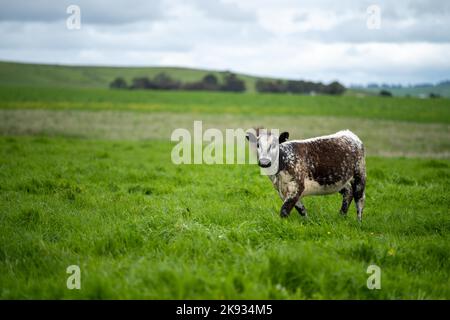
x: 317, y: 166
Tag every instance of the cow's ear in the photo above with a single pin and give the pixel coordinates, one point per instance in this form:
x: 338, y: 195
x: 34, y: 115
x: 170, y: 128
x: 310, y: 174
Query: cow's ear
x: 250, y: 137
x: 283, y: 137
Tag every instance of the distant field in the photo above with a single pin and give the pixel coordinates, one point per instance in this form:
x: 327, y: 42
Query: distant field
x: 404, y: 109
x: 382, y: 137
x: 86, y: 179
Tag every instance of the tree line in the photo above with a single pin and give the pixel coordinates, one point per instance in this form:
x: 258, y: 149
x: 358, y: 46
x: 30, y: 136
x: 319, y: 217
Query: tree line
x: 163, y: 81
x: 230, y: 82
x: 299, y: 86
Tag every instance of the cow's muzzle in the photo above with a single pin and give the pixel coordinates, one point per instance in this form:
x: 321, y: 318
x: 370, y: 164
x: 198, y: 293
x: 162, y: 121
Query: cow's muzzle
x: 264, y: 163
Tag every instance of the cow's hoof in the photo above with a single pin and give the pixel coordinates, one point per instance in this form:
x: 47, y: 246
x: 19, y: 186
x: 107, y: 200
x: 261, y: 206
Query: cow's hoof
x: 284, y: 214
x: 304, y: 214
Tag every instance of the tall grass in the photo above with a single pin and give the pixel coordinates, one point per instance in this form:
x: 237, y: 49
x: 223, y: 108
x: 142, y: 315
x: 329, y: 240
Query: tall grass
x: 141, y: 227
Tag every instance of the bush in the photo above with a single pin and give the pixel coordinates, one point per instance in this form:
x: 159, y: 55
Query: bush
x: 334, y: 88
x: 209, y: 82
x: 299, y: 87
x: 141, y: 83
x: 163, y: 81
x: 385, y: 93
x: 118, y: 83
x: 433, y: 95
x: 295, y: 86
x: 275, y: 86
x: 232, y: 83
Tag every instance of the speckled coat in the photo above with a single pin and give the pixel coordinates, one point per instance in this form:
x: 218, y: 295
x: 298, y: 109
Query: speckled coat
x: 319, y: 166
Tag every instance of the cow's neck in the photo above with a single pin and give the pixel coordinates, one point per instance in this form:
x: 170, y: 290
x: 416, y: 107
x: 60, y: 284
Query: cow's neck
x: 281, y: 164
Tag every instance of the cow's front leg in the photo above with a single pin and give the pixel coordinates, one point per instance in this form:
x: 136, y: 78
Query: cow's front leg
x: 292, y: 197
x: 301, y: 208
x: 287, y: 206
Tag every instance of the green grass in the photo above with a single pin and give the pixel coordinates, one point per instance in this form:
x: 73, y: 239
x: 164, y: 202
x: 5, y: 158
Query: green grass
x: 381, y: 137
x: 86, y: 178
x: 402, y: 109
x: 141, y: 227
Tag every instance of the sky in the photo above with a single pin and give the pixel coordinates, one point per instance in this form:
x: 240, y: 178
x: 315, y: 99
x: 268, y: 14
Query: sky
x: 355, y: 42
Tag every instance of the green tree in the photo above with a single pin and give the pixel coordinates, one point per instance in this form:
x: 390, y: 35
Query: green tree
x: 334, y: 88
x: 385, y: 93
x: 232, y: 83
x: 165, y: 82
x: 141, y: 83
x: 118, y: 83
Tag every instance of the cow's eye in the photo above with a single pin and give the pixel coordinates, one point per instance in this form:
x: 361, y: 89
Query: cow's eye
x: 257, y: 145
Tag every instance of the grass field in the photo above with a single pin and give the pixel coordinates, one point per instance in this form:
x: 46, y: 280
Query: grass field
x: 140, y: 227
x: 402, y: 109
x: 86, y: 179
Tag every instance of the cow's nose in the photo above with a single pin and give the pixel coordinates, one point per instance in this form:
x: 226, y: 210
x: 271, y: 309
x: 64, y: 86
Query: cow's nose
x: 264, y: 163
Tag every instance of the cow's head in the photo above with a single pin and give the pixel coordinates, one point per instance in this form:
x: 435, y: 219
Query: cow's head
x: 267, y: 145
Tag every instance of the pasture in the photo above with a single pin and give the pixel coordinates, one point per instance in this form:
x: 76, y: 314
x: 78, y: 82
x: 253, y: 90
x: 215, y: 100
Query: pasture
x: 86, y: 179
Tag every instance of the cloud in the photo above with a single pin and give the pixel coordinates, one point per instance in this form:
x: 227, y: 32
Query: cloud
x: 221, y: 10
x: 93, y: 12
x: 318, y: 40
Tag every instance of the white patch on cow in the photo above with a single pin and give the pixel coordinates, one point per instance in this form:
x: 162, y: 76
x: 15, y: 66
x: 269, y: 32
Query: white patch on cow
x: 337, y: 135
x: 285, y: 184
x: 288, y: 153
x: 314, y: 188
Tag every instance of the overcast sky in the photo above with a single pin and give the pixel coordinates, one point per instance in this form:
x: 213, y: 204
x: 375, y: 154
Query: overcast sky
x: 315, y: 40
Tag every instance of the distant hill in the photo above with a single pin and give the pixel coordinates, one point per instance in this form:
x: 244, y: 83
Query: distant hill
x: 24, y: 74
x: 442, y: 88
x: 48, y: 75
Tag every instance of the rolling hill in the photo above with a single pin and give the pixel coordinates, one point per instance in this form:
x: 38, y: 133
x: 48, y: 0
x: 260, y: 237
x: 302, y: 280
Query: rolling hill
x: 421, y: 91
x: 24, y: 74
x: 47, y: 75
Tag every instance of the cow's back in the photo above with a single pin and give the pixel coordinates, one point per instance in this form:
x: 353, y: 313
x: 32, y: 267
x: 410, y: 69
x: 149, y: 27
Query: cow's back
x: 328, y: 160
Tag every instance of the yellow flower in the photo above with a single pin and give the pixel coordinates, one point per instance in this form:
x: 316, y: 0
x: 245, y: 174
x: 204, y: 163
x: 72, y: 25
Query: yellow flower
x: 391, y: 252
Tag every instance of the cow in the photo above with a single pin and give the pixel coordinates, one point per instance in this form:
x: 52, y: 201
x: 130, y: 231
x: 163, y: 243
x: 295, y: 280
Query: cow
x: 316, y: 166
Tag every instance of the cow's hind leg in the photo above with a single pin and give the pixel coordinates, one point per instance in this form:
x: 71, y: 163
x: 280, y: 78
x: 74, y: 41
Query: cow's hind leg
x: 301, y: 208
x: 359, y: 186
x: 347, y: 197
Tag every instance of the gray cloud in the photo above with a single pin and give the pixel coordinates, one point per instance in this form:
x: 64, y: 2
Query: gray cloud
x: 355, y: 30
x: 93, y: 12
x: 224, y: 10
x: 319, y: 40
